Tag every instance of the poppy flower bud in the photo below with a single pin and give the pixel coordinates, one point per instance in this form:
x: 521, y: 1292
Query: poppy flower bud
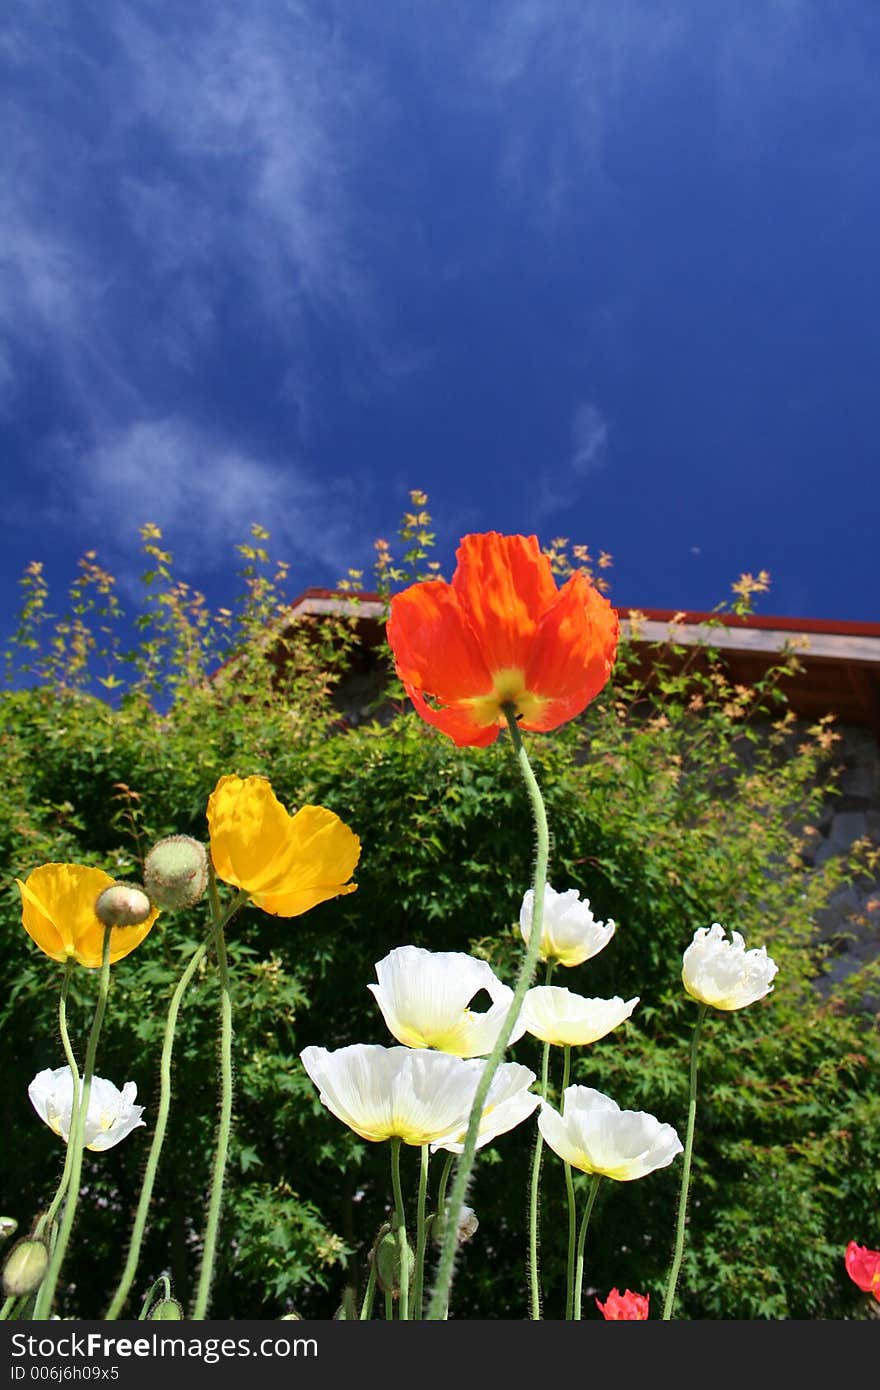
x: 25, y: 1267
x: 167, y: 1310
x: 123, y: 905
x: 386, y: 1254
x: 468, y: 1225
x: 176, y: 872
x: 8, y: 1227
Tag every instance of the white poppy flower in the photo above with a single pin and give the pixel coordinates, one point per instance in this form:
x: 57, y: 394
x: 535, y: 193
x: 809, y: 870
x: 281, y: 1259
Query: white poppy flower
x: 566, y: 1019
x: 111, y: 1116
x: 508, y: 1103
x: 723, y: 973
x: 596, y: 1136
x: 393, y: 1092
x: 570, y: 933
x: 424, y: 998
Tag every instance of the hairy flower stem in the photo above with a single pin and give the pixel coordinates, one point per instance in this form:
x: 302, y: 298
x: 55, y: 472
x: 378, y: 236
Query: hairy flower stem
x: 442, y: 1185
x: 151, y: 1169
x: 400, y: 1225
x: 224, y: 1130
x: 572, y: 1210
x: 44, y: 1223
x: 579, y: 1280
x: 685, y: 1172
x: 535, y: 1292
x: 446, y: 1265
x: 421, y: 1233
x: 161, y: 1286
x: 78, y: 1112
x: 369, y: 1294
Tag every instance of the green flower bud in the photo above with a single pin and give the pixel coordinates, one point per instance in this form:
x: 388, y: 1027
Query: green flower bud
x: 290, y: 1317
x: 386, y: 1254
x: 8, y: 1227
x: 25, y: 1267
x: 176, y: 872
x: 123, y: 905
x: 167, y: 1310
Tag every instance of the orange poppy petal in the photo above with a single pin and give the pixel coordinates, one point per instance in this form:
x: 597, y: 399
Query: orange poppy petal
x: 457, y: 722
x: 505, y: 585
x: 572, y: 653
x: 435, y: 649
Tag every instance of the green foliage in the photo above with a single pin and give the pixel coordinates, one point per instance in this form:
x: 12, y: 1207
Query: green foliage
x: 673, y: 802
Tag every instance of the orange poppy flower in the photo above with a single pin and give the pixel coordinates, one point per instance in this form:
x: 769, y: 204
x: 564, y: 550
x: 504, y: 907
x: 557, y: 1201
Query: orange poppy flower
x: 501, y: 634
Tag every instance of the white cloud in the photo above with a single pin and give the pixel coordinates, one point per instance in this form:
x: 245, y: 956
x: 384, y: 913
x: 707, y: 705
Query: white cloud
x: 204, y: 495
x: 191, y: 159
x: 588, y: 453
x: 589, y: 439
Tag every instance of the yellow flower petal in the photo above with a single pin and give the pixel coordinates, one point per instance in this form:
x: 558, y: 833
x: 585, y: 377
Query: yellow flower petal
x: 58, y: 912
x: 295, y: 904
x: 287, y: 863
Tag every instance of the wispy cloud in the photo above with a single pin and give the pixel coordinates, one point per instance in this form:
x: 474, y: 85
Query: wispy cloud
x: 561, y: 487
x: 203, y: 183
x: 203, y: 494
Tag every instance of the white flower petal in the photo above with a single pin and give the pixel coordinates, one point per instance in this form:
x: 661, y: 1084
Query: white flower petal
x: 596, y: 1136
x: 393, y: 1092
x: 425, y: 996
x: 723, y: 973
x: 112, y: 1114
x: 508, y: 1103
x: 570, y: 933
x: 558, y: 1016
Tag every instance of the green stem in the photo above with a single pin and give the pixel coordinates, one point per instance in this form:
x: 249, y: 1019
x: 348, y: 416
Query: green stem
x: 400, y: 1224
x: 441, y: 1207
x: 421, y: 1233
x: 140, y: 1219
x: 389, y: 1307
x: 534, y: 1283
x: 441, y: 1188
x: 45, y: 1221
x: 572, y: 1208
x: 446, y: 1265
x: 686, y: 1172
x: 579, y: 1281
x: 369, y: 1294
x: 163, y: 1283
x: 215, y: 1202
x: 78, y: 1115
x: 8, y: 1306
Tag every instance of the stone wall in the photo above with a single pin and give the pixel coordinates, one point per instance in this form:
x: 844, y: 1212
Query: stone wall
x: 851, y: 922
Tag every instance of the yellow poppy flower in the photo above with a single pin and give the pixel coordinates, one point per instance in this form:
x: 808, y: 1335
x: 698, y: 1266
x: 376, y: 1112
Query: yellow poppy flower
x: 58, y: 911
x: 288, y: 864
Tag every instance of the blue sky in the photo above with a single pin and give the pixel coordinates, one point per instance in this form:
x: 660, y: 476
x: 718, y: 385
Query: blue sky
x: 600, y: 270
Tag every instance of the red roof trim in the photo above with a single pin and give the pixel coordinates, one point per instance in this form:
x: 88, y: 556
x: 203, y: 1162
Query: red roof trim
x: 841, y: 627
